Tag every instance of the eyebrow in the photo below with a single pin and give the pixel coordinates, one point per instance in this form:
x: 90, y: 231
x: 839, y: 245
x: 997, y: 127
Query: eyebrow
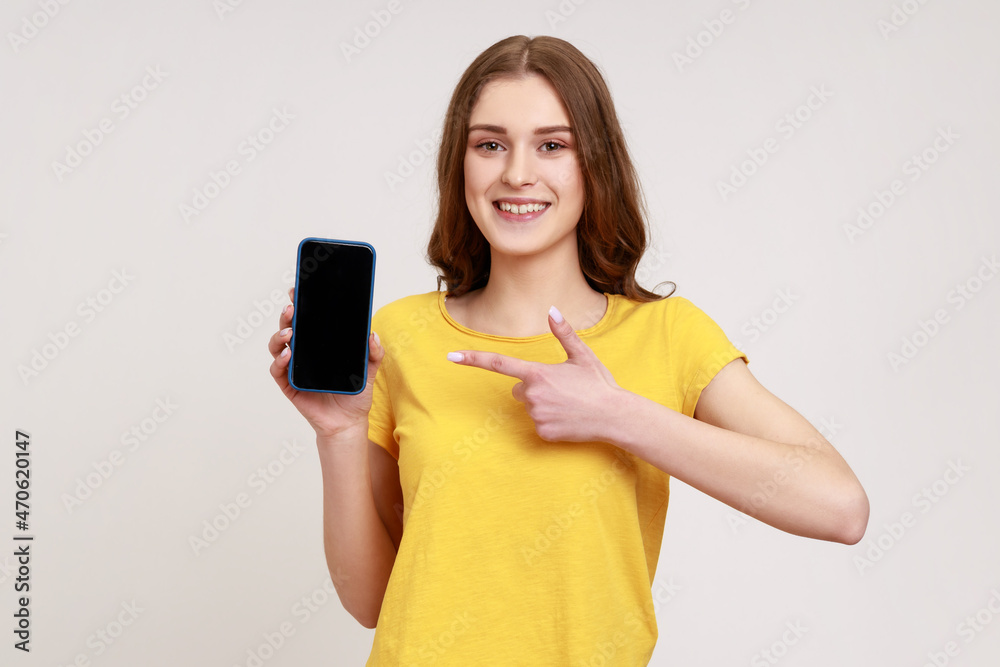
x: 497, y: 129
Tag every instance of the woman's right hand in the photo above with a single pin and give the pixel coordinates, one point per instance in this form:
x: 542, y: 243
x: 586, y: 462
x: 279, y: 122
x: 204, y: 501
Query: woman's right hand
x: 327, y: 413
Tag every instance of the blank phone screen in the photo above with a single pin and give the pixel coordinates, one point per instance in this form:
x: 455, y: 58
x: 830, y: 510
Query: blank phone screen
x: 332, y: 317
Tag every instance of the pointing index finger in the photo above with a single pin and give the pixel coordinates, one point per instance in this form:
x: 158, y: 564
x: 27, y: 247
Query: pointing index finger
x: 492, y: 361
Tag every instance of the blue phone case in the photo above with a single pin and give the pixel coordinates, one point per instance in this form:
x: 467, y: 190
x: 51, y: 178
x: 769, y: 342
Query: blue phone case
x: 295, y: 314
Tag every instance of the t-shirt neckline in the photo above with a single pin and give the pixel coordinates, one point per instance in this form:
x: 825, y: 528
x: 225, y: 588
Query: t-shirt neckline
x: 591, y: 330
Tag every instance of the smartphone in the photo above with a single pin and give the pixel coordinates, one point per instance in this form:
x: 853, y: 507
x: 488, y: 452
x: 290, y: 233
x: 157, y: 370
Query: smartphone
x: 334, y: 285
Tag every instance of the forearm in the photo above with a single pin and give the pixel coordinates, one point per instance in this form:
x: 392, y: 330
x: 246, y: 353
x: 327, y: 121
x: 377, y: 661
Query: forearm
x: 359, y: 551
x: 805, y: 488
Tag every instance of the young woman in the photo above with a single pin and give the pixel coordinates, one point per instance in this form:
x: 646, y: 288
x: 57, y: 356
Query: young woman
x: 497, y: 493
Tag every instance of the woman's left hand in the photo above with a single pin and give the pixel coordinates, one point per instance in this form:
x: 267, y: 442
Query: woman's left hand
x: 570, y: 401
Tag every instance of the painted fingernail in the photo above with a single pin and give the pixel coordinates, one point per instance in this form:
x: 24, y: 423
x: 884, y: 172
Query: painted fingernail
x: 377, y: 338
x: 455, y: 356
x: 284, y: 353
x: 555, y: 315
x: 284, y: 332
x: 284, y: 311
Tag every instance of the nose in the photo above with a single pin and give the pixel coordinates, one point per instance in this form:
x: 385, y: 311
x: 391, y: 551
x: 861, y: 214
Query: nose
x: 519, y: 169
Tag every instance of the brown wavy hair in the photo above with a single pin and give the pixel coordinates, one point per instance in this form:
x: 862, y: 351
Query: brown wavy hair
x: 611, y: 233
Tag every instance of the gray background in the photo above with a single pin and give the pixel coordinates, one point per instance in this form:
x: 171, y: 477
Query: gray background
x: 726, y: 589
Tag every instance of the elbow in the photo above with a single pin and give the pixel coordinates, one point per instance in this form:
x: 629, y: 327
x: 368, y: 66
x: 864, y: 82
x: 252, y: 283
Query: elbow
x: 368, y: 621
x: 852, y: 516
x: 368, y: 617
x: 366, y: 611
x: 364, y: 604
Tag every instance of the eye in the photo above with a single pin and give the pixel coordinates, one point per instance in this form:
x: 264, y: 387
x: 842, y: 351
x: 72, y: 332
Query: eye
x: 552, y: 146
x: 489, y: 146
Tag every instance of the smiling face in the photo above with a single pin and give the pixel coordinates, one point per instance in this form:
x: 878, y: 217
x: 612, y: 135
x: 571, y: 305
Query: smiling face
x: 523, y: 183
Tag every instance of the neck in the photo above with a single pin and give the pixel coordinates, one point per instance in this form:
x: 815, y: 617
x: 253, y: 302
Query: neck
x: 516, y: 300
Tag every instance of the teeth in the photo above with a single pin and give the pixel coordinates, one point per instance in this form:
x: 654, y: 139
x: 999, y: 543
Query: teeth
x: 522, y: 208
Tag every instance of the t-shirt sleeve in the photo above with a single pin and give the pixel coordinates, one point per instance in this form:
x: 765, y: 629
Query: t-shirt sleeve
x: 381, y: 420
x: 702, y: 349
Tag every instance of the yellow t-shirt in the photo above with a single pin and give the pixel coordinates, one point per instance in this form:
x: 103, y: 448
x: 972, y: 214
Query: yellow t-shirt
x: 518, y: 551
